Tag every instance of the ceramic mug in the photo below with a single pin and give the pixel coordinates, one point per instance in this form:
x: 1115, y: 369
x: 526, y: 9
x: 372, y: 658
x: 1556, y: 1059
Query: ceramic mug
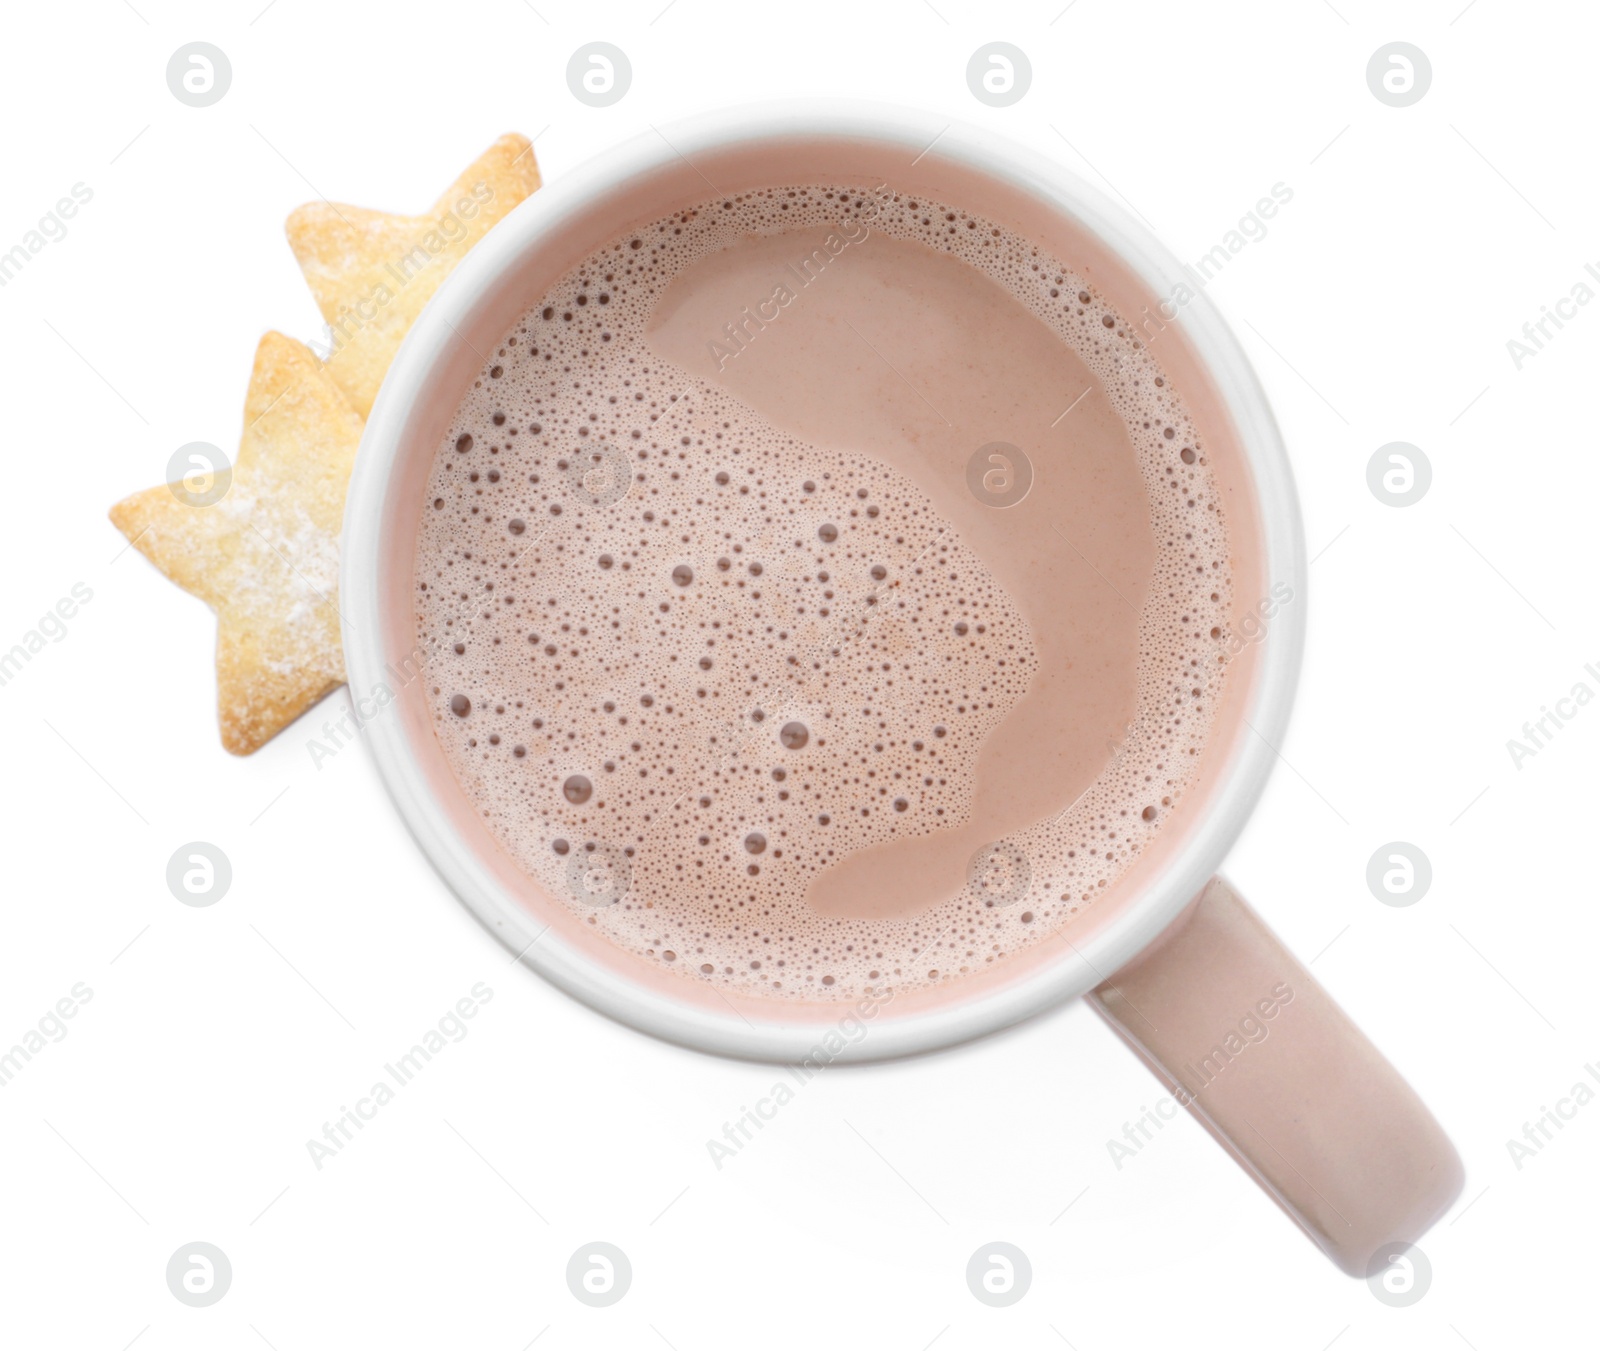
x: 1234, y: 1026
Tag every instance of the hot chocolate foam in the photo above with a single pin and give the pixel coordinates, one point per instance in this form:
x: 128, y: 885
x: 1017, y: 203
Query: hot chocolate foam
x: 687, y: 663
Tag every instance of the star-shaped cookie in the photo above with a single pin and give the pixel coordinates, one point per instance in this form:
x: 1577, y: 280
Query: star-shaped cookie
x: 372, y: 273
x: 265, y: 556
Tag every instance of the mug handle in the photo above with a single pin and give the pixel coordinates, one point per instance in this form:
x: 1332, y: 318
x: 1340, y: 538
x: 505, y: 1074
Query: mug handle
x: 1260, y: 1054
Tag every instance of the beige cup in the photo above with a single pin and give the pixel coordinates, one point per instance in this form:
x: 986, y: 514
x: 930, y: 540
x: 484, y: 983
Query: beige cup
x: 1224, y: 1015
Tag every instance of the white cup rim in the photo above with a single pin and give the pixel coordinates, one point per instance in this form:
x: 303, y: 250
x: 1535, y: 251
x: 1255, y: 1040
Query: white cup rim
x: 1139, y: 919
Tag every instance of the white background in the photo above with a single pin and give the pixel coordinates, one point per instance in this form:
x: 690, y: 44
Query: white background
x: 1378, y: 308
